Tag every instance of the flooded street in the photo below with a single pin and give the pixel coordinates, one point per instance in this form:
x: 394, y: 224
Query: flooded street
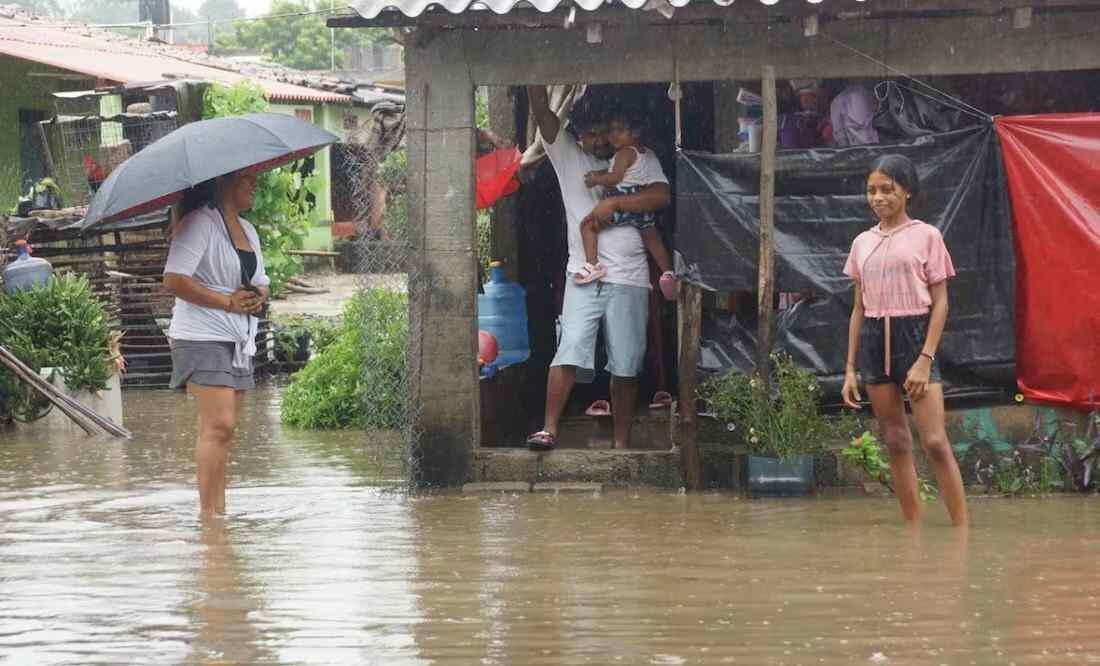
x: 102, y: 560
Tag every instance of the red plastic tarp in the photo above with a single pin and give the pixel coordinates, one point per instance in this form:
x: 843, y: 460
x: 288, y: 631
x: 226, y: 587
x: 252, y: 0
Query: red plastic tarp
x: 1052, y: 163
x: 496, y: 176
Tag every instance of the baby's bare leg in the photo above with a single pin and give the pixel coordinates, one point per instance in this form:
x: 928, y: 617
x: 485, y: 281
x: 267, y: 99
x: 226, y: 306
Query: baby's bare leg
x: 656, y: 248
x: 590, y: 230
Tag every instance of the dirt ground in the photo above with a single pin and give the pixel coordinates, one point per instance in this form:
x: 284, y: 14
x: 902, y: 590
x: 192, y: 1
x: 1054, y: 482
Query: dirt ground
x: 341, y: 287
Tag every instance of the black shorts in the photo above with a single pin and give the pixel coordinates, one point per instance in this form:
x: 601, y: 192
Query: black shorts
x: 907, y: 336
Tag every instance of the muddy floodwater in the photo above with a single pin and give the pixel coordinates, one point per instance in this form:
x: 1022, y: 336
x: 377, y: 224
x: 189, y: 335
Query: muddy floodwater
x: 102, y: 561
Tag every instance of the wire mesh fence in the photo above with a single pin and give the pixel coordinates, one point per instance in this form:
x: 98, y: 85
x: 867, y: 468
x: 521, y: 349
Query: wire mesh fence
x: 94, y: 133
x: 373, y: 183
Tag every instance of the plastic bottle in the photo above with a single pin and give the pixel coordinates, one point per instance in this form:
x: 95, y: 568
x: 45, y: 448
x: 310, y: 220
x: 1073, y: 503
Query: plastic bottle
x: 502, y: 311
x: 26, y: 272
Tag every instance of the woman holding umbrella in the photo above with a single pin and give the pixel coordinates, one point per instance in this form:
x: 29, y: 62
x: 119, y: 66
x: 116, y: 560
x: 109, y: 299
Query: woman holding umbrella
x: 216, y: 272
x: 215, y: 268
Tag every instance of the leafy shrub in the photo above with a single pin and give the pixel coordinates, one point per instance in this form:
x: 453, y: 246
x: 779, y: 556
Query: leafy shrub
x: 282, y: 208
x: 866, y: 453
x: 61, y: 325
x: 393, y: 174
x: 322, y: 332
x: 781, y: 420
x: 358, y: 380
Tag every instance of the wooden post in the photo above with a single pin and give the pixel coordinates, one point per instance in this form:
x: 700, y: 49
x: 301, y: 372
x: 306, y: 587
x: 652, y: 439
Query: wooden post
x: 691, y: 310
x: 505, y: 228
x: 766, y: 282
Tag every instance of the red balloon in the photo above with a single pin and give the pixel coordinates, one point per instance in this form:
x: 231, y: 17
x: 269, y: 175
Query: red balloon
x: 487, y: 348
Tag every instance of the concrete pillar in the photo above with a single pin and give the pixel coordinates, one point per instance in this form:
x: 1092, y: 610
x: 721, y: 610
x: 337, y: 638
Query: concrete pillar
x: 505, y: 235
x: 443, y: 278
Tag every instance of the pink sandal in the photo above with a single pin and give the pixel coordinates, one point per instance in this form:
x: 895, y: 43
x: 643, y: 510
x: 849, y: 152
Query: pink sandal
x: 590, y: 273
x: 661, y: 400
x: 599, y: 408
x: 668, y: 284
x: 541, y: 441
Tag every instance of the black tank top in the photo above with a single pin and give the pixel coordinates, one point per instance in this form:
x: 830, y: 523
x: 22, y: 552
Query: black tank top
x: 247, y: 257
x: 248, y: 265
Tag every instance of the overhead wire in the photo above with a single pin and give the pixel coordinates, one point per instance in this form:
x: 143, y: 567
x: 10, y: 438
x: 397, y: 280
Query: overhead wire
x: 962, y: 106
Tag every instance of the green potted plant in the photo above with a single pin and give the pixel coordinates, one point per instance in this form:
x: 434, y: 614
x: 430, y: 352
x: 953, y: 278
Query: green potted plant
x: 779, y: 421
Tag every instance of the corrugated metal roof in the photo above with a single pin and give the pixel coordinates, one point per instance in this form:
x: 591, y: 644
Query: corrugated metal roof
x: 109, y: 57
x: 370, y: 9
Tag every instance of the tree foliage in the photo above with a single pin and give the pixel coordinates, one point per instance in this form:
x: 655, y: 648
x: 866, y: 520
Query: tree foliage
x: 103, y: 11
x: 302, y: 42
x: 220, y: 10
x: 41, y: 7
x: 281, y: 208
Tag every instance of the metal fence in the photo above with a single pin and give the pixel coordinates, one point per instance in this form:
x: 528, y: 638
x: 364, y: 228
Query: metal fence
x: 372, y: 181
x: 94, y: 133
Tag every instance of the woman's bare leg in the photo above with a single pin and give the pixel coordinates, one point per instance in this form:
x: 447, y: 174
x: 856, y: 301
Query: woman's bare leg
x: 217, y: 423
x: 889, y: 408
x: 928, y: 412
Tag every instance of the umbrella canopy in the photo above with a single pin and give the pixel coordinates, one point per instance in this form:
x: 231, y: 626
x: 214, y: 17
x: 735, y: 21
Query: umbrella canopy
x: 158, y: 175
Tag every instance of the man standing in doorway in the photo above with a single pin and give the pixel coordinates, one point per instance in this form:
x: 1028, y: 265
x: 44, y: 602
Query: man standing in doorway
x: 620, y: 301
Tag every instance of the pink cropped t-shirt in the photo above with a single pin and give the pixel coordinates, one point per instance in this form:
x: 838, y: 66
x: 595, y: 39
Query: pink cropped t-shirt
x: 895, y: 269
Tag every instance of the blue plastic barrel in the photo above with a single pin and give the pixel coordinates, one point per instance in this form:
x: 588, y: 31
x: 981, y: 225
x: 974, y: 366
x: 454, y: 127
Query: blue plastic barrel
x: 26, y: 272
x: 502, y: 311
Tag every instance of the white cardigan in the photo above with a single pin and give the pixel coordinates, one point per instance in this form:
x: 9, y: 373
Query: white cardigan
x: 202, y: 249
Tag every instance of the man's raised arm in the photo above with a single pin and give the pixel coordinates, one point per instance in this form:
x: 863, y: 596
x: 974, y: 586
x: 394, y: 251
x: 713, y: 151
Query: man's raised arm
x: 548, y: 123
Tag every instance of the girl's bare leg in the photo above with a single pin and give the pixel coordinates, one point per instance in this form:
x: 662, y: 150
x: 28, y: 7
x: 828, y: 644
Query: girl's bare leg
x: 889, y: 408
x: 928, y: 412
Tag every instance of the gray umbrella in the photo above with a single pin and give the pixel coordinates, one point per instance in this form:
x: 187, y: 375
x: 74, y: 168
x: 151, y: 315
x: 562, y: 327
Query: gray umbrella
x: 158, y: 175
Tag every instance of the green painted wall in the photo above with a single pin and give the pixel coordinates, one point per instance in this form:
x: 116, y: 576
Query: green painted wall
x: 21, y: 90
x: 343, y: 120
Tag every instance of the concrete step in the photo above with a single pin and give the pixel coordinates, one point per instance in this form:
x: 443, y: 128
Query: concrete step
x: 611, y: 467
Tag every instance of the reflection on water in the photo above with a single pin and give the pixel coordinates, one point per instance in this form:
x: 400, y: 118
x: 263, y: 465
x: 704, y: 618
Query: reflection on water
x: 103, y: 560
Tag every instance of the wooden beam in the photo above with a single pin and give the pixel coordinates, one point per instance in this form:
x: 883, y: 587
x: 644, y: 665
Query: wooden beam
x: 810, y: 25
x: 691, y: 313
x: 766, y: 281
x: 62, y: 76
x: 1021, y: 18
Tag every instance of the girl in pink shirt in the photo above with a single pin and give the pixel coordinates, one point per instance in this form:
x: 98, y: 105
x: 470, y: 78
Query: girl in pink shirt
x: 900, y: 268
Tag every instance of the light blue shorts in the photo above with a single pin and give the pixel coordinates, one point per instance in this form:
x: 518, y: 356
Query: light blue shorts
x: 624, y: 311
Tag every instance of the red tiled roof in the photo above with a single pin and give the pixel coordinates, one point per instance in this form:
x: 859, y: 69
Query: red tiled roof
x: 114, y: 58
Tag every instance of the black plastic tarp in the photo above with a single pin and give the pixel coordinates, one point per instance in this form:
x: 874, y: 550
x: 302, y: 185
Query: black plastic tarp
x: 820, y: 207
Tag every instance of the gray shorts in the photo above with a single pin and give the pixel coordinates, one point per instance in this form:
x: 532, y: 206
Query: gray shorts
x: 624, y: 312
x: 208, y: 364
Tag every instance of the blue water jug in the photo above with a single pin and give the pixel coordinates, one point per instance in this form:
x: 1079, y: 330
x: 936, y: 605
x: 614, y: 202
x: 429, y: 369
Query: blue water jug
x: 502, y: 311
x: 26, y: 272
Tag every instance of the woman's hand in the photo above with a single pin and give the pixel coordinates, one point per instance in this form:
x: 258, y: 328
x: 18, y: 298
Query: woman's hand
x: 850, y: 392
x: 260, y: 297
x: 244, y: 301
x: 916, y: 380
